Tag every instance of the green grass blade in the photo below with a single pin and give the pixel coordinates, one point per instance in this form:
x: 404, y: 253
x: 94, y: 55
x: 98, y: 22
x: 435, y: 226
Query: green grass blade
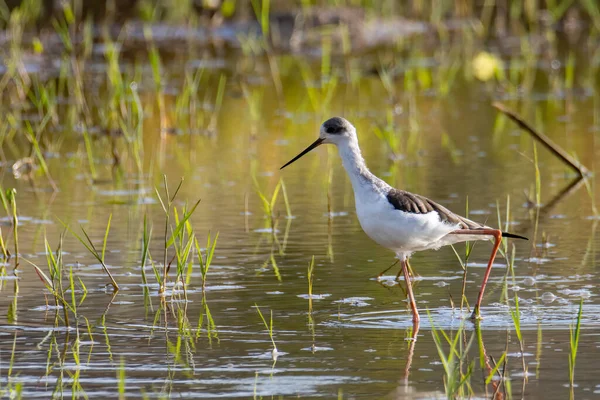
x: 106, y: 236
x: 181, y: 225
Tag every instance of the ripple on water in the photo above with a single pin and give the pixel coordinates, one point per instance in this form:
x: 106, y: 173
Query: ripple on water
x: 495, y: 316
x: 314, y: 296
x: 354, y: 301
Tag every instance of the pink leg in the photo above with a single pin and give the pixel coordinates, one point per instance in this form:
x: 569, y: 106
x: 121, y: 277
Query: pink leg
x: 411, y: 296
x: 410, y: 271
x: 497, y: 234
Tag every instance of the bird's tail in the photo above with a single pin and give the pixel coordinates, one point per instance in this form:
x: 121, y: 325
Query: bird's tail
x: 512, y: 235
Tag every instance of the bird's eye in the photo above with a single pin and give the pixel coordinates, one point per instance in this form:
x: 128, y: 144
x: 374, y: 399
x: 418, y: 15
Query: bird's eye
x: 334, y: 130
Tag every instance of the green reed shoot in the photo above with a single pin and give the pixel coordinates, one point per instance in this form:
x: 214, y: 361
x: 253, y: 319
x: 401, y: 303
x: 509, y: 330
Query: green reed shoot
x: 504, y: 245
x: 570, y: 71
x: 593, y: 10
x: 495, y: 369
x: 269, y: 327
x: 268, y: 204
x: 516, y: 317
x: 310, y: 276
x: 262, y: 14
x: 55, y: 265
x: 218, y: 103
x: 12, y: 315
x: 37, y: 151
x: 538, y: 179
x: 456, y: 383
x: 503, y: 249
x: 61, y: 26
x: 155, y: 63
x: 98, y: 255
x: 146, y: 235
x: 206, y: 259
x: 9, y: 202
x: 286, y: 201
x: 181, y: 225
x: 482, y: 354
x: 510, y: 263
x: 320, y: 93
x: 255, y: 387
x: 574, y: 333
x: 538, y: 195
x: 387, y: 81
x: 254, y: 98
x: 391, y: 135
x: 72, y: 289
x: 54, y: 287
x: 3, y: 244
x: 188, y: 102
x: 182, y: 241
x: 121, y: 379
x: 43, y: 97
x: 154, y: 58
x: 166, y: 206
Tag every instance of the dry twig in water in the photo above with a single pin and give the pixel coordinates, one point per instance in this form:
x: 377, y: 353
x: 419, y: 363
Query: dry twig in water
x: 543, y: 139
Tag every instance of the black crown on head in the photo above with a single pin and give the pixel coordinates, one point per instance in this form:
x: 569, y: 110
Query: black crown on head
x: 336, y: 125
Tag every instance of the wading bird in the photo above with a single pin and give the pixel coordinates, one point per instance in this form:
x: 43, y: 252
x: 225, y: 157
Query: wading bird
x: 399, y: 220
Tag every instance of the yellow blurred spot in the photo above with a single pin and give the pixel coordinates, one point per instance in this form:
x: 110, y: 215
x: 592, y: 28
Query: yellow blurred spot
x: 485, y: 66
x: 228, y: 8
x: 38, y: 47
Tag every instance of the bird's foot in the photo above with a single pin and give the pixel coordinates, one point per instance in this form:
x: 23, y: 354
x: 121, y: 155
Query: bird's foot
x: 476, y: 315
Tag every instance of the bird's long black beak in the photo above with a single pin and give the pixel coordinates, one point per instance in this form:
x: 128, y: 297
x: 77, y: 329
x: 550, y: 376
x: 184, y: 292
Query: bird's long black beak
x: 315, y: 144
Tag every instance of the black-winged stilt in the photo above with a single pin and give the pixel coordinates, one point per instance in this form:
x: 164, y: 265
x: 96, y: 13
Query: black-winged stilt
x: 399, y: 220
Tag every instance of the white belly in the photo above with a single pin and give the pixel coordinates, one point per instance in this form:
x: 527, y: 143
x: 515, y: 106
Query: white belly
x: 400, y: 231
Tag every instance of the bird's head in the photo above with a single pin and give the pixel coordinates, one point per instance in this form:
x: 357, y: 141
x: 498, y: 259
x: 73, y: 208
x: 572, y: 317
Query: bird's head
x: 335, y: 130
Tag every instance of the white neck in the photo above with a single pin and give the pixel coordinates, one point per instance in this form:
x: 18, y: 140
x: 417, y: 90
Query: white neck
x: 355, y: 166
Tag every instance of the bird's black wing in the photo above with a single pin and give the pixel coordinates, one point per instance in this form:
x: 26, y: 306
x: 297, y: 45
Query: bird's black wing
x: 417, y: 204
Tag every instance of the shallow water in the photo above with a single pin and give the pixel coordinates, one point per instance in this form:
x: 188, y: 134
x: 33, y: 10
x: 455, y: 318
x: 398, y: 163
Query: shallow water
x: 354, y: 342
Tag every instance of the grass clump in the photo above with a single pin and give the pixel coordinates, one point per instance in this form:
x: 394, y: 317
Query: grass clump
x: 456, y: 380
x: 98, y: 255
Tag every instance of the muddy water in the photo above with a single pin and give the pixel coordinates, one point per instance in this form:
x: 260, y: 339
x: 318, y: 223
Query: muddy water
x: 354, y: 343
